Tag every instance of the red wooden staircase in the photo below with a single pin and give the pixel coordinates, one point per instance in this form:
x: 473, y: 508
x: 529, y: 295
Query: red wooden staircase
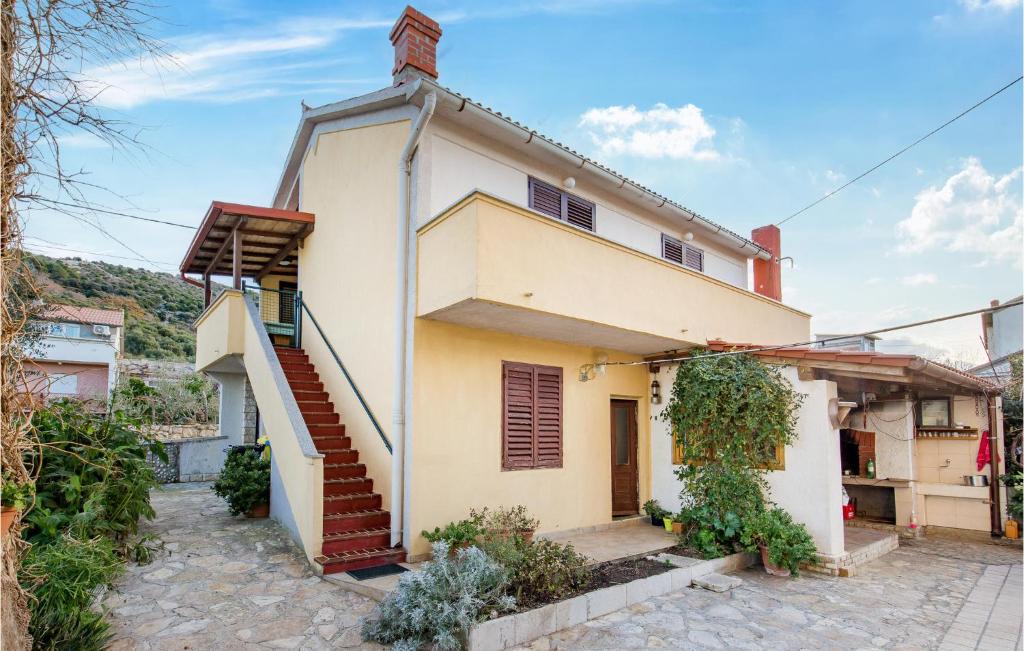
x: 356, y: 531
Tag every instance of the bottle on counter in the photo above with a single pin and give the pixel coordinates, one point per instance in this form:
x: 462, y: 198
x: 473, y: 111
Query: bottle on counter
x: 871, y: 468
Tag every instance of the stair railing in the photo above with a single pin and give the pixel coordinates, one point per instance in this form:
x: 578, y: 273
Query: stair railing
x: 351, y: 382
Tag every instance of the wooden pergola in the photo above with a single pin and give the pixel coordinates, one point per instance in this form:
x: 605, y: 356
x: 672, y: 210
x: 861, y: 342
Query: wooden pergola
x: 246, y: 241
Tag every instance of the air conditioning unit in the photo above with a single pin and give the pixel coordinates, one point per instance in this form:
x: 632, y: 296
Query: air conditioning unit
x: 102, y: 330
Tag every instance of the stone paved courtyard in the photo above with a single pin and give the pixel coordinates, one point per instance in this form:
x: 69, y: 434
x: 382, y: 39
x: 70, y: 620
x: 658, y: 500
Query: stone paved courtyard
x: 230, y: 583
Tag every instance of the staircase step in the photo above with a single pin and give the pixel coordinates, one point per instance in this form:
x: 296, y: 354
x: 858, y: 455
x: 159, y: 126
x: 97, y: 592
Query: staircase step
x: 360, y: 539
x: 294, y: 377
x: 368, y: 519
x: 346, y: 561
x: 302, y: 385
x: 351, y: 503
x: 336, y: 458
x: 290, y: 367
x: 344, y: 470
x: 316, y: 406
x: 332, y: 444
x: 347, y: 486
x: 283, y: 350
x: 293, y: 358
x: 325, y: 430
x: 321, y: 419
x: 310, y: 396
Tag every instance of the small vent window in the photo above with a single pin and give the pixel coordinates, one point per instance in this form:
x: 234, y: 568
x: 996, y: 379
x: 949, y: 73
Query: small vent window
x: 676, y: 251
x: 546, y: 198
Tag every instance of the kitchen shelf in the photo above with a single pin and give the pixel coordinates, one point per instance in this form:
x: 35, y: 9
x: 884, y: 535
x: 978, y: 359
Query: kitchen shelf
x: 947, y: 433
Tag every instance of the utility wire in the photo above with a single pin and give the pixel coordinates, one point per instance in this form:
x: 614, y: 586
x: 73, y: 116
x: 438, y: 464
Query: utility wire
x: 120, y: 214
x: 911, y: 145
x: 820, y: 341
x: 46, y: 245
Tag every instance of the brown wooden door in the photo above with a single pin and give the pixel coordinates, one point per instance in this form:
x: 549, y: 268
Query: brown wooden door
x: 625, y: 470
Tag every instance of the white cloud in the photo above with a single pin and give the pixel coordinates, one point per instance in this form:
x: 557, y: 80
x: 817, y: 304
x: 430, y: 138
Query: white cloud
x: 834, y: 177
x: 660, y: 132
x: 972, y: 212
x: 84, y: 140
x: 874, y: 280
x: 915, y: 280
x: 987, y: 5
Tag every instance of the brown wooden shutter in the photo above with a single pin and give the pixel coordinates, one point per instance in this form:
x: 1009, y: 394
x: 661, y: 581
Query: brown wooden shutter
x: 579, y: 212
x: 545, y: 198
x: 694, y: 258
x: 532, y: 416
x: 671, y: 249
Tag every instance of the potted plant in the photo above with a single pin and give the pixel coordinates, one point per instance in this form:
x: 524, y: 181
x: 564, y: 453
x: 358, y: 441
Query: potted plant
x: 677, y: 523
x: 14, y: 499
x: 783, y: 543
x: 504, y: 523
x: 244, y: 482
x: 657, y: 513
x: 666, y: 520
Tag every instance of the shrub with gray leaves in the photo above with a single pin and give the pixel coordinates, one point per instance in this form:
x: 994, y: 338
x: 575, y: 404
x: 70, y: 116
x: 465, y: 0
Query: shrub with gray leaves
x: 439, y: 604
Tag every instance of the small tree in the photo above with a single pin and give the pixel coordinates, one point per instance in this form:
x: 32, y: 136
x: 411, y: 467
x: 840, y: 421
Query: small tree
x: 729, y: 413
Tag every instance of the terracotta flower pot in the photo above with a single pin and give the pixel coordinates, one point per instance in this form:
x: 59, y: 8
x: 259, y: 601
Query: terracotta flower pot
x: 677, y: 527
x: 774, y: 570
x: 258, y: 511
x: 7, y: 517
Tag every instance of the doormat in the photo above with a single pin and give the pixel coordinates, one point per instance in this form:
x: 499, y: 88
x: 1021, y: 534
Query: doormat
x: 374, y: 572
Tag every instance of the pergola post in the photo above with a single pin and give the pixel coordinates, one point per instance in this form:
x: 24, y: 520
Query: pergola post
x: 236, y: 259
x: 206, y: 289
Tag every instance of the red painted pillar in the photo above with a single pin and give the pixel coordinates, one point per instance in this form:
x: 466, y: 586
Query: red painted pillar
x: 768, y: 273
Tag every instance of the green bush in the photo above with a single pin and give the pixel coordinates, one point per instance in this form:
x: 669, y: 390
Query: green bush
x: 540, y: 571
x: 92, y: 475
x: 14, y: 495
x: 788, y: 542
x: 244, y: 481
x: 457, y: 534
x: 62, y: 577
x: 655, y: 510
x: 183, y: 401
x: 437, y: 605
x: 512, y: 521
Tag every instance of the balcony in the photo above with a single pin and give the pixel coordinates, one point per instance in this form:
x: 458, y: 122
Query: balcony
x: 487, y: 263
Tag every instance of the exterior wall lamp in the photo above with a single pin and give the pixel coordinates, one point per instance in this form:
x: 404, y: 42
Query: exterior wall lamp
x: 656, y: 392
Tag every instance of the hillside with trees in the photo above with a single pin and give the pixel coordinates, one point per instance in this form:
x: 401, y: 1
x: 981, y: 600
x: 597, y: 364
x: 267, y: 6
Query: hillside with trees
x: 159, y: 307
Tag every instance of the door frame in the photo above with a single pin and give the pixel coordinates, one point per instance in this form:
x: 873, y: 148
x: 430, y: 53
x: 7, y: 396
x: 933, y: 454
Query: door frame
x: 634, y: 432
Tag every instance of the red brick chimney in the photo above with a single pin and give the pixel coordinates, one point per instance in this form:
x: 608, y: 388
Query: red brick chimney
x: 415, y: 38
x: 768, y: 273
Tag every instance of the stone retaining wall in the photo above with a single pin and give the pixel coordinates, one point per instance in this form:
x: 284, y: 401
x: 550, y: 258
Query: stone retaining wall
x: 181, y: 432
x: 192, y: 459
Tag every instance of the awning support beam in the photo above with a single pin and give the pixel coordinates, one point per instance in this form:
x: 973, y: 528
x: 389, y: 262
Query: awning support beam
x: 283, y: 253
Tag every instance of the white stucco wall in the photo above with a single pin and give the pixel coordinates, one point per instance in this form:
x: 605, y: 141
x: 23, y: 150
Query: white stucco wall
x: 893, y: 424
x: 458, y: 165
x: 810, y: 487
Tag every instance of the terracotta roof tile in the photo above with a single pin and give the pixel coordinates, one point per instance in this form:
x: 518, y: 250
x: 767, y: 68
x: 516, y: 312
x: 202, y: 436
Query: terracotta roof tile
x: 91, y: 315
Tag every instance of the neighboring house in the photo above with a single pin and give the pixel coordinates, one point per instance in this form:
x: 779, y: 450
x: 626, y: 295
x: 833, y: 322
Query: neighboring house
x: 1002, y: 333
x: 423, y: 313
x: 77, y: 352
x: 862, y: 343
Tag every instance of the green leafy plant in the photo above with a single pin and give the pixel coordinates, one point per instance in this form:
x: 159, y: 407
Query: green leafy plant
x: 540, y: 571
x: 92, y: 478
x: 1015, y: 482
x: 787, y: 542
x: 182, y: 401
x: 14, y: 495
x: 460, y: 533
x: 655, y: 510
x: 437, y: 605
x: 62, y: 576
x: 244, y: 482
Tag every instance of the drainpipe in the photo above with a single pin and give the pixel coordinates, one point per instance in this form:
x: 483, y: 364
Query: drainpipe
x: 995, y: 508
x: 402, y: 333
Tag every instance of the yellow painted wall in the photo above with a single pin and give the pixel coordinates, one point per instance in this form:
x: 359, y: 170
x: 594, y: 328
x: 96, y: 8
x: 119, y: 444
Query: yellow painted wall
x: 347, y: 275
x: 219, y: 329
x: 558, y: 269
x: 456, y: 426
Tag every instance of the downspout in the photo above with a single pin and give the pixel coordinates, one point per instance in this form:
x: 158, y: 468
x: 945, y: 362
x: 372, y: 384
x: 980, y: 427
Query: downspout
x: 402, y: 267
x: 995, y: 508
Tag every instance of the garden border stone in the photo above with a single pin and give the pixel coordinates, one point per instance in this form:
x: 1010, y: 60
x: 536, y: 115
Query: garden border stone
x: 523, y: 628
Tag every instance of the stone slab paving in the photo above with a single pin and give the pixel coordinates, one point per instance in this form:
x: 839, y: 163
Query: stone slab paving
x: 908, y: 599
x: 227, y: 583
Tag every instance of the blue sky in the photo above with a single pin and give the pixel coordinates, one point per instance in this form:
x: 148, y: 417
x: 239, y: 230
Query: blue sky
x: 744, y: 112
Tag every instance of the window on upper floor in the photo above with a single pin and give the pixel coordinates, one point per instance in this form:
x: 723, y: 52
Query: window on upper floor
x: 73, y: 330
x: 679, y: 252
x: 546, y: 198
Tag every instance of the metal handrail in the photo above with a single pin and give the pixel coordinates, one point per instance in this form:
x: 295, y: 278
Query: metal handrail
x: 351, y: 382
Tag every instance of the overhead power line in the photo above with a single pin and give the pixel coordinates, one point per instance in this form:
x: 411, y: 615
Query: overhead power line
x: 120, y: 214
x: 45, y: 245
x: 905, y: 326
x: 905, y: 149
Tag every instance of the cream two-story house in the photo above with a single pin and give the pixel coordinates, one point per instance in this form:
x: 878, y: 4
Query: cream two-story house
x: 423, y: 315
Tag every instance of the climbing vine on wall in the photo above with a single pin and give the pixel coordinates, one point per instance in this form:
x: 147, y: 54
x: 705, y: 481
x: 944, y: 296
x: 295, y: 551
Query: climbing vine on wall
x: 729, y: 413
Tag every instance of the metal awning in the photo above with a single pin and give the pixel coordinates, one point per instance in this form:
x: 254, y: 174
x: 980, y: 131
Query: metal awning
x: 246, y: 242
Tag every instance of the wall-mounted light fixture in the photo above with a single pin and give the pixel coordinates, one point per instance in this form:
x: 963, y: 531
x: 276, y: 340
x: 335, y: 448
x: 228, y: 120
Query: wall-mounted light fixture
x: 569, y: 182
x: 656, y: 392
x: 688, y: 237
